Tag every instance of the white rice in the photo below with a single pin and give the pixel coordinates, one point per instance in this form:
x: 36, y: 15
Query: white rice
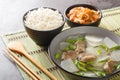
x: 43, y: 19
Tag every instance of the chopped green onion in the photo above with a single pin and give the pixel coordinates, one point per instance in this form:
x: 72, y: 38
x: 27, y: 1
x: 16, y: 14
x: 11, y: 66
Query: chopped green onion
x: 99, y: 51
x: 118, y: 66
x: 75, y: 61
x: 81, y: 68
x: 81, y: 39
x: 104, y: 47
x: 72, y: 41
x: 91, y: 68
x: 57, y: 55
x: 82, y: 63
x: 79, y: 73
x: 115, y: 48
x: 72, y: 47
x: 67, y: 49
x: 89, y: 63
x: 100, y: 73
x: 104, y: 60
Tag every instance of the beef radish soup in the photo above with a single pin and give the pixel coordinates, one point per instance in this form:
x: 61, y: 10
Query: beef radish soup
x: 89, y: 55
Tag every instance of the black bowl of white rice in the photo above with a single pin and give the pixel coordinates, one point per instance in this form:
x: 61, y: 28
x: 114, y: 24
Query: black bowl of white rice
x: 43, y: 24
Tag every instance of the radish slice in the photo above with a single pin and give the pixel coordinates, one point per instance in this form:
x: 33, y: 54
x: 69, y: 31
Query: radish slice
x: 115, y: 55
x: 93, y: 40
x: 63, y: 45
x: 98, y: 65
x: 91, y: 50
x: 109, y: 43
x: 68, y: 65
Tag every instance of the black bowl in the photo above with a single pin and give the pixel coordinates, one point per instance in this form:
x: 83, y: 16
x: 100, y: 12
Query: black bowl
x: 54, y: 46
x: 74, y: 24
x: 43, y: 38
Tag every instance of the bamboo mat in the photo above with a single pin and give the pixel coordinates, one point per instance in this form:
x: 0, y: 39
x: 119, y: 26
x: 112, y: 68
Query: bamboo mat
x: 110, y: 21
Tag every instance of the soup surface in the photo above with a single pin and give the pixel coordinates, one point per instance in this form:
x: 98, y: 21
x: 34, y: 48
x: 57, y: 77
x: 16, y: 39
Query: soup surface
x: 89, y: 55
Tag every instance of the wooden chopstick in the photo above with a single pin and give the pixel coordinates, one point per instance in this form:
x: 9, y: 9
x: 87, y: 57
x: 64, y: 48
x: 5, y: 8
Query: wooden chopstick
x: 40, y: 66
x: 30, y: 72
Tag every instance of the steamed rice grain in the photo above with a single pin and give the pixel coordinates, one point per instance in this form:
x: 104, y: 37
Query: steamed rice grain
x: 43, y: 19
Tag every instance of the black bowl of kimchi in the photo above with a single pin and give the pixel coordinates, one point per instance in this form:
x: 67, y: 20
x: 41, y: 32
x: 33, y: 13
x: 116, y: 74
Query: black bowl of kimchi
x: 83, y: 15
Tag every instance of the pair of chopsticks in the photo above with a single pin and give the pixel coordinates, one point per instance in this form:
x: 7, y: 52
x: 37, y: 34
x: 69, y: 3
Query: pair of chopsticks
x: 30, y: 72
x: 17, y: 46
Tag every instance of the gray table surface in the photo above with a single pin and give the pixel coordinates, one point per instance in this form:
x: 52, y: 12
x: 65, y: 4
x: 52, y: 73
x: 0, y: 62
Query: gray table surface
x: 11, y: 12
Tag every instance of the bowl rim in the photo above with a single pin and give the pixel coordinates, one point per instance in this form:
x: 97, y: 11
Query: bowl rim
x: 103, y: 77
x: 63, y: 18
x: 77, y: 5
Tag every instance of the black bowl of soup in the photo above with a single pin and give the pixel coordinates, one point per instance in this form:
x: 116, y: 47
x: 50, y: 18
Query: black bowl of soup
x: 82, y: 15
x: 86, y: 53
